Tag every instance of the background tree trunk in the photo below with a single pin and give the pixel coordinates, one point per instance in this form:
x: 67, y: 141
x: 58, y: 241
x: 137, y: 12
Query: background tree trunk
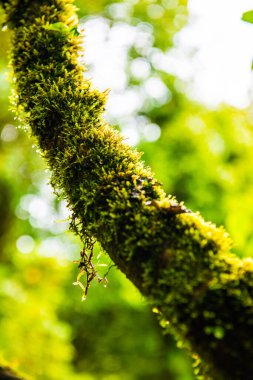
x: 7, y: 374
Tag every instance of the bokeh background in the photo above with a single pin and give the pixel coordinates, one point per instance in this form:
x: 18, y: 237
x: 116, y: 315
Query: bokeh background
x: 197, y: 139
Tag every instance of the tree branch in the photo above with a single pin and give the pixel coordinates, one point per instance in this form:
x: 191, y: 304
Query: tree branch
x: 177, y: 260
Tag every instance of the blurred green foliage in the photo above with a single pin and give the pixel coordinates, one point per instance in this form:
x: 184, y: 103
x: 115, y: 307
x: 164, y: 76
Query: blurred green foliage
x: 248, y: 16
x: 203, y: 157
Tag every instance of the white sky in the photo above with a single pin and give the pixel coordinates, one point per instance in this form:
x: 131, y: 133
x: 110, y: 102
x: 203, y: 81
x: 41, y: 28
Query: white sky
x: 221, y: 69
x: 213, y: 54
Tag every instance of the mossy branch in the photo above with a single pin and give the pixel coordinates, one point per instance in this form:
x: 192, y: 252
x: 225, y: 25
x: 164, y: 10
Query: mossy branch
x: 178, y: 261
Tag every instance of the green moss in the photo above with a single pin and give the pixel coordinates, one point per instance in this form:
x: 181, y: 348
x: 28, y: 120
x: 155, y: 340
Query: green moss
x: 179, y: 262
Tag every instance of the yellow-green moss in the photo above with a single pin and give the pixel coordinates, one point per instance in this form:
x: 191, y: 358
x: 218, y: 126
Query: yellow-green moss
x: 178, y: 261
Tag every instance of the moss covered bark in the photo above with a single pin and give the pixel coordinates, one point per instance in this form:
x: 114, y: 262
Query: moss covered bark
x: 181, y: 263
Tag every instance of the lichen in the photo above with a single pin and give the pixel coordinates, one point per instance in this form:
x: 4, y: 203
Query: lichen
x: 182, y: 264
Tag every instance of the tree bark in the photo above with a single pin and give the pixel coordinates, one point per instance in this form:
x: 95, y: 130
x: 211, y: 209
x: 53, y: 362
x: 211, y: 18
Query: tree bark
x: 182, y: 264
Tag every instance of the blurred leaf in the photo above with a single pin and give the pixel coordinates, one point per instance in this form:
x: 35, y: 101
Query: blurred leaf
x: 248, y: 16
x: 75, y: 31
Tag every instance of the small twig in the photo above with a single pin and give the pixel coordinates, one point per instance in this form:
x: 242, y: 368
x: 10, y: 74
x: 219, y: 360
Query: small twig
x: 87, y: 268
